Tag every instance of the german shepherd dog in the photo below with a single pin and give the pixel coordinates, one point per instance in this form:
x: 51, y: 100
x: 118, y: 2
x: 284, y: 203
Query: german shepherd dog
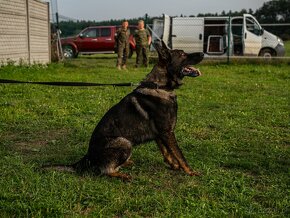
x: 147, y: 113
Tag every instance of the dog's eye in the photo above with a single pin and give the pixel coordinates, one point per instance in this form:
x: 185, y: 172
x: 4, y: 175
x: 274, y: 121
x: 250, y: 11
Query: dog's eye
x: 183, y: 54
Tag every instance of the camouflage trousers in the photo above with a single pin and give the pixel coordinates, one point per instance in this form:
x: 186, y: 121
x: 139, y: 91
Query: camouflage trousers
x: 142, y: 55
x: 123, y: 52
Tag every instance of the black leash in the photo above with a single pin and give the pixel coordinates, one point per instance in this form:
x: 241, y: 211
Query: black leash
x: 66, y: 83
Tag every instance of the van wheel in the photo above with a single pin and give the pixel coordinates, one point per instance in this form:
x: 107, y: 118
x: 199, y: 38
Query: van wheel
x: 267, y: 53
x: 68, y: 52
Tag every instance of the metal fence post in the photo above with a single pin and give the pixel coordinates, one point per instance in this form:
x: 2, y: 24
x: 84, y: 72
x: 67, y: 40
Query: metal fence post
x: 229, y: 41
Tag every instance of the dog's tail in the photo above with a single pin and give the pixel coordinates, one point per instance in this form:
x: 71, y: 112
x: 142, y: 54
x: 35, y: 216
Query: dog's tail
x: 59, y: 167
x: 82, y: 165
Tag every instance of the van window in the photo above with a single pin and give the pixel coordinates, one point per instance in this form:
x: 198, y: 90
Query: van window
x: 105, y: 32
x: 90, y: 33
x: 252, y: 26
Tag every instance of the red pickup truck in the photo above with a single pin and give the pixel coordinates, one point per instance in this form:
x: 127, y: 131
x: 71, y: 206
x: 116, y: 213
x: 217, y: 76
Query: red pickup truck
x: 93, y: 40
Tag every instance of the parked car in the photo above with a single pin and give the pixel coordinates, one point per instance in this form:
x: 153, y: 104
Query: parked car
x: 93, y: 40
x: 218, y: 36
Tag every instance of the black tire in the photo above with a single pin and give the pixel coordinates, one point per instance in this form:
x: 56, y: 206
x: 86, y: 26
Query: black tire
x: 267, y: 53
x: 68, y: 52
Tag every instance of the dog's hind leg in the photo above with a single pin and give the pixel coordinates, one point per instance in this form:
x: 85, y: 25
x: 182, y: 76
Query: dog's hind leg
x: 128, y: 163
x: 122, y: 176
x: 116, y: 153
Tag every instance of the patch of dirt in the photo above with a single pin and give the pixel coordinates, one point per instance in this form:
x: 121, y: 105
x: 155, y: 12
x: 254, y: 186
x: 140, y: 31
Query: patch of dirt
x: 33, y: 142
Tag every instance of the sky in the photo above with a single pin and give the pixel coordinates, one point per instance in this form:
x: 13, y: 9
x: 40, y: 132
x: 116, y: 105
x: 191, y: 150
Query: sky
x: 100, y: 10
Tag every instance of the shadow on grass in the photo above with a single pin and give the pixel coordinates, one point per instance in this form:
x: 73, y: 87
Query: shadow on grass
x: 256, y: 163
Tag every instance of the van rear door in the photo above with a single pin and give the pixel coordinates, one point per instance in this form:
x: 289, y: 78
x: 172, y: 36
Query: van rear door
x: 188, y: 34
x: 252, y: 35
x: 166, y: 30
x: 161, y: 30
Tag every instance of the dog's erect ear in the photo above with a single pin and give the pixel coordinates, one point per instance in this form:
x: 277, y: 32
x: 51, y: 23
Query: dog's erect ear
x: 163, y: 51
x: 164, y: 46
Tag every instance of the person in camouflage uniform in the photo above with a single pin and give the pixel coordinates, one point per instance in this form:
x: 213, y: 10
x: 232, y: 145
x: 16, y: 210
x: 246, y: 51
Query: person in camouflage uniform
x: 142, y: 39
x: 122, y: 41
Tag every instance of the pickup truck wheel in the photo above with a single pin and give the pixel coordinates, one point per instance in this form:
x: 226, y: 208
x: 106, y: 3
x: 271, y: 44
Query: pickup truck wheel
x: 68, y: 52
x: 267, y: 53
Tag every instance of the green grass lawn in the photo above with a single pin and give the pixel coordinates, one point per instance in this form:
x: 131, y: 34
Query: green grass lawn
x: 233, y: 127
x: 287, y: 48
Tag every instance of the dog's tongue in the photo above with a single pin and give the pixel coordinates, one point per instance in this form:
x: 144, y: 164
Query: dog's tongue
x: 191, y: 71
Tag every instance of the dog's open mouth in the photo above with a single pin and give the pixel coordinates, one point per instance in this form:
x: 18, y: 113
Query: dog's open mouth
x: 190, y: 71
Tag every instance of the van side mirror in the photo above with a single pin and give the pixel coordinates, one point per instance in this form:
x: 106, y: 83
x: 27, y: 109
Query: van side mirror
x: 261, y: 31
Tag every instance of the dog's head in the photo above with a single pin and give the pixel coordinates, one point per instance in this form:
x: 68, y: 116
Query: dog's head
x: 177, y: 63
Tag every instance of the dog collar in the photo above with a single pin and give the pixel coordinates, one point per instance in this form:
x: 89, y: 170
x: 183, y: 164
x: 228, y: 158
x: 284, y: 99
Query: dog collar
x: 149, y: 85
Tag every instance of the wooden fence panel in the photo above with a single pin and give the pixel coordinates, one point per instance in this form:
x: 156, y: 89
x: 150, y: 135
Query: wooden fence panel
x: 38, y: 32
x: 24, y: 31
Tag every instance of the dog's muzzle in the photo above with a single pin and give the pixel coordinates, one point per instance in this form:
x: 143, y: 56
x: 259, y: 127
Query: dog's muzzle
x: 190, y: 71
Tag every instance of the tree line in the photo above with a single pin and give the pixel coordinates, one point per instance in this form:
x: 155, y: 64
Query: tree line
x: 274, y: 11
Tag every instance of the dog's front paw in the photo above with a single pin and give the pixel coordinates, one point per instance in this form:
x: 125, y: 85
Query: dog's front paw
x: 193, y: 173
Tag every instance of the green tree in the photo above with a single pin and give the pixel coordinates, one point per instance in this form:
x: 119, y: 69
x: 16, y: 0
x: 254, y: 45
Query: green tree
x: 274, y: 11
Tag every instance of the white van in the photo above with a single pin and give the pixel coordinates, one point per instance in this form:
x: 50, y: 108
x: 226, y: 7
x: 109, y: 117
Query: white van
x: 218, y: 36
